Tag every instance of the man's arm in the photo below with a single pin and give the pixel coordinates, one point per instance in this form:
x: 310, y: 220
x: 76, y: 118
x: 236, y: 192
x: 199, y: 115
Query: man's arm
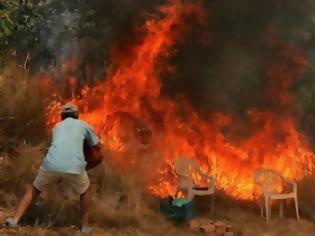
x: 92, y: 149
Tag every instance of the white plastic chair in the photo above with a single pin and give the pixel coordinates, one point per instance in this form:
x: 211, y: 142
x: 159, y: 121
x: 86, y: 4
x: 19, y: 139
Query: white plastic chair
x: 185, y: 168
x: 270, y: 181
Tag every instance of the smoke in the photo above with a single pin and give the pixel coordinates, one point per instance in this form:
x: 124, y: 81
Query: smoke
x: 85, y: 31
x: 229, y: 73
x: 56, y: 40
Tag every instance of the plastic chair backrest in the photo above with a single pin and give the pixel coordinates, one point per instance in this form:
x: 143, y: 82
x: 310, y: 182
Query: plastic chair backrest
x: 270, y: 180
x: 185, y: 166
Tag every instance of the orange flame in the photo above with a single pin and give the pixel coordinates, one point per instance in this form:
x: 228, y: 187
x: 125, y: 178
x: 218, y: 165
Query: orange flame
x: 146, y: 131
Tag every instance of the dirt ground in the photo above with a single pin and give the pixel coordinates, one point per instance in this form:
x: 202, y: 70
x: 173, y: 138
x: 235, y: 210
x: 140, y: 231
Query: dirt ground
x: 112, y: 217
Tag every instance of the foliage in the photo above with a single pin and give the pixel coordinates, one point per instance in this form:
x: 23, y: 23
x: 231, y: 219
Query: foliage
x: 17, y: 17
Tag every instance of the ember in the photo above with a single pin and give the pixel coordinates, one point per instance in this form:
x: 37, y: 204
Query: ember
x: 146, y: 131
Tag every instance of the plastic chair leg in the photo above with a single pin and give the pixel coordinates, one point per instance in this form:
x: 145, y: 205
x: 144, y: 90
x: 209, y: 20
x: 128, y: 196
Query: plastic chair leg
x: 212, y: 202
x: 296, y: 207
x: 268, y: 208
x: 281, y: 209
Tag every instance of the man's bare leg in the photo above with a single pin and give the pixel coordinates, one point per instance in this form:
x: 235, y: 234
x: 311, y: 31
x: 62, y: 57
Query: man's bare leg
x: 30, y: 195
x: 85, y: 202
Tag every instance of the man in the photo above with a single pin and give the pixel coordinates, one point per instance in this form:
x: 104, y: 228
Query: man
x: 65, y: 161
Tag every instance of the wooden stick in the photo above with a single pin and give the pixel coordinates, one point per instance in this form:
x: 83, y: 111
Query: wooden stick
x: 7, y: 118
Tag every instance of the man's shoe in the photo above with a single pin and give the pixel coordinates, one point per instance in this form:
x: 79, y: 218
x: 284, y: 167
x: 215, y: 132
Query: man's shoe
x: 10, y: 222
x: 86, y: 229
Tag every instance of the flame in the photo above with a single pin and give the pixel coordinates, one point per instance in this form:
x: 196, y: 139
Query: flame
x: 145, y: 131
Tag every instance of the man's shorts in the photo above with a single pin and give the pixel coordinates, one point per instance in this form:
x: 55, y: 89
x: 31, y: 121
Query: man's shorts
x: 78, y: 182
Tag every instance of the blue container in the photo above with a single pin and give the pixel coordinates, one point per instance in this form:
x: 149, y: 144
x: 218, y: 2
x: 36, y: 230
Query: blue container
x: 179, y: 211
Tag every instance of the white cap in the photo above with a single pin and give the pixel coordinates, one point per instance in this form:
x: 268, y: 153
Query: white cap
x: 69, y: 108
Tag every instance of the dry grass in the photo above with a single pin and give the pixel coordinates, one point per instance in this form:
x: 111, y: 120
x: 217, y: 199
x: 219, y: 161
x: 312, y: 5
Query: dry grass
x: 22, y: 98
x: 19, y: 171
x: 113, y: 215
x: 21, y: 139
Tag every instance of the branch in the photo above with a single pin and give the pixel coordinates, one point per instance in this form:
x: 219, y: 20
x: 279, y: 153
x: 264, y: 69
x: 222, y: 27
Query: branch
x: 27, y: 59
x: 7, y: 118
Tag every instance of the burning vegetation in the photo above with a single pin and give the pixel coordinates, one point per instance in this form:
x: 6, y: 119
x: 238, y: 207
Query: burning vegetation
x: 175, y: 84
x: 130, y: 101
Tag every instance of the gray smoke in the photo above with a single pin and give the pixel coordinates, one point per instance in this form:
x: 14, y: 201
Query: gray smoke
x: 229, y: 75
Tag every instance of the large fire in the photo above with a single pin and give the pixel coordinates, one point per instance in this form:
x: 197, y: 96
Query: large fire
x: 146, y: 131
